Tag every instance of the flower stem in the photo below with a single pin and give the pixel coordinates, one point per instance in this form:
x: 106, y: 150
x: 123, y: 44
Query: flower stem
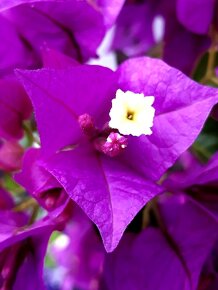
x: 210, y: 70
x: 29, y: 134
x: 30, y: 202
x: 34, y: 214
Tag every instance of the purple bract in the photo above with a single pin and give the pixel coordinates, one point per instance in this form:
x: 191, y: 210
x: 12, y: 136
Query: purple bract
x: 112, y: 190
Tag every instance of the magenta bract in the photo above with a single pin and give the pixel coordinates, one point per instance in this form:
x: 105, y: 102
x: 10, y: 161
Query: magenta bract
x: 112, y: 190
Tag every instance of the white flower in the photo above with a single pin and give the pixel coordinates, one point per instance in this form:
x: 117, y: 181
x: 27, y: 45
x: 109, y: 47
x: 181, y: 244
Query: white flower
x: 132, y: 114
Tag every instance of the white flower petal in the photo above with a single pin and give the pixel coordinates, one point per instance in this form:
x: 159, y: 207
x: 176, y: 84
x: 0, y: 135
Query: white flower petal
x: 137, y: 105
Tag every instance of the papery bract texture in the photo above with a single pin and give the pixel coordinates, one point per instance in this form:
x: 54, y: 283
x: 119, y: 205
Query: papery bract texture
x: 112, y: 190
x: 110, y: 193
x: 70, y: 85
x: 179, y: 108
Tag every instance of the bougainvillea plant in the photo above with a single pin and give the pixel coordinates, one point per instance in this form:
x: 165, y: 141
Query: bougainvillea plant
x: 108, y: 177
